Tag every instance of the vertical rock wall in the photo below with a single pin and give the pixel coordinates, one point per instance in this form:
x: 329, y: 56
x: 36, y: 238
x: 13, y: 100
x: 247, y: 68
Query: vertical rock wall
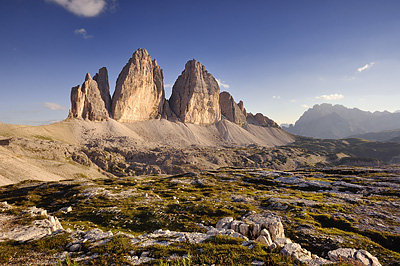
x: 139, y: 92
x: 195, y: 95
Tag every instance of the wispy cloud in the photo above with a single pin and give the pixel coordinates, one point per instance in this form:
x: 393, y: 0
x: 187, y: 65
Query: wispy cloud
x: 367, y: 66
x: 305, y: 106
x: 335, y: 96
x: 276, y: 97
x: 83, y: 8
x: 293, y: 101
x: 54, y: 106
x: 82, y: 32
x: 222, y: 84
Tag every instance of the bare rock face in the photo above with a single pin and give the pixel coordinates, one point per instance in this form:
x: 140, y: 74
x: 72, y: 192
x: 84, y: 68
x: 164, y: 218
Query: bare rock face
x: 87, y: 103
x: 102, y: 81
x: 241, y: 107
x: 139, y: 93
x: 195, y: 95
x: 261, y: 120
x: 231, y: 110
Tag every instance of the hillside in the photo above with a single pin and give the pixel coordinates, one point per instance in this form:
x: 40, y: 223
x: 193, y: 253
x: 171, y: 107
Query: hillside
x: 329, y: 121
x: 384, y: 136
x: 75, y: 148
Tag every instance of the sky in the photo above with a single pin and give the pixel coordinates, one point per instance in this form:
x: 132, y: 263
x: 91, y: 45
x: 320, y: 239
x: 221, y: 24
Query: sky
x: 280, y: 57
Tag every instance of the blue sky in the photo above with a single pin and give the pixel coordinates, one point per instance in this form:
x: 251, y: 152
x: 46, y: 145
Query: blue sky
x: 278, y: 56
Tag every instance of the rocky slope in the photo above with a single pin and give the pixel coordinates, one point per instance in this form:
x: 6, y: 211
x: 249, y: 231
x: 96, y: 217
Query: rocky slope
x: 76, y: 147
x: 249, y: 216
x: 336, y: 121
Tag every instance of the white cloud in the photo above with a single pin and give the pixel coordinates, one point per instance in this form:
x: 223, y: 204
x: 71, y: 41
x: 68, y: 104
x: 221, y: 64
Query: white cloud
x: 83, y: 8
x: 276, y: 97
x: 293, y: 101
x: 222, y: 84
x: 335, y: 96
x: 54, y: 106
x: 83, y: 33
x: 305, y: 106
x: 367, y: 66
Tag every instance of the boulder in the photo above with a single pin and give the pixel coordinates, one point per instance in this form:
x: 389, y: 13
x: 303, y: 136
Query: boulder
x: 295, y: 251
x: 362, y: 256
x: 224, y: 223
x: 281, y: 242
x: 195, y: 95
x: 87, y: 103
x: 244, y: 229
x: 268, y: 221
x: 231, y: 110
x: 265, y: 240
x: 5, y: 206
x: 302, y: 255
x: 139, y: 93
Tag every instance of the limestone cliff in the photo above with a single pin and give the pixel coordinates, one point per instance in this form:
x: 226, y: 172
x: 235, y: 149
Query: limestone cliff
x: 139, y: 92
x: 102, y: 81
x: 195, y: 95
x: 87, y: 103
x: 231, y: 110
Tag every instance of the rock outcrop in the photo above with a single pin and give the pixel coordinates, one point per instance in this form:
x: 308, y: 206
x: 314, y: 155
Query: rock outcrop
x: 195, y: 95
x: 352, y: 254
x: 260, y: 120
x: 231, y: 110
x: 41, y: 226
x: 102, y: 81
x: 139, y: 93
x: 87, y: 102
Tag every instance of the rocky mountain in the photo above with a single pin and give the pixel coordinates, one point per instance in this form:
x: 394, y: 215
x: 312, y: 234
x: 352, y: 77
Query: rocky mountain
x: 383, y: 136
x: 195, y: 95
x: 139, y: 96
x: 139, y: 93
x: 336, y: 121
x: 231, y: 110
x: 87, y: 101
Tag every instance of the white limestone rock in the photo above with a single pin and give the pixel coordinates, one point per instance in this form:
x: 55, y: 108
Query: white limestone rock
x: 224, y: 223
x: 139, y: 93
x: 362, y: 256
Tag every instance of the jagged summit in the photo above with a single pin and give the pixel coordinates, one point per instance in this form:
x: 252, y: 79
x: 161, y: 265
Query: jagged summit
x: 139, y: 96
x: 195, y: 95
x: 87, y: 102
x: 139, y: 92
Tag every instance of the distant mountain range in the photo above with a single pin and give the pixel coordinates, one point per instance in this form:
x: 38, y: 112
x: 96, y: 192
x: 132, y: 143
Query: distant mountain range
x: 383, y: 136
x: 329, y: 121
